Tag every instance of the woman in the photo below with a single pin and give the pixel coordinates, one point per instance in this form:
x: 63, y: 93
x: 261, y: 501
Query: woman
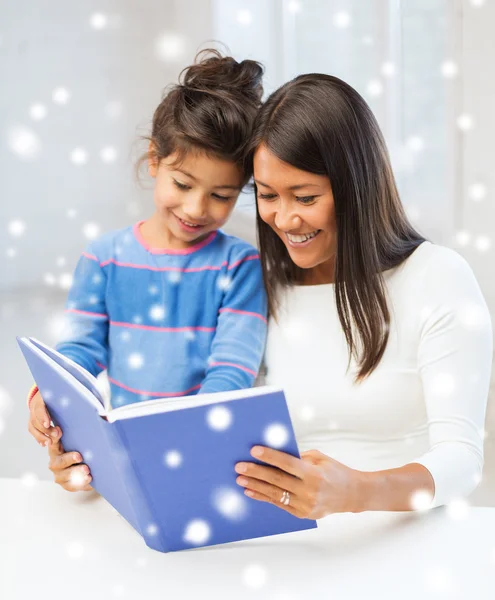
x: 381, y: 339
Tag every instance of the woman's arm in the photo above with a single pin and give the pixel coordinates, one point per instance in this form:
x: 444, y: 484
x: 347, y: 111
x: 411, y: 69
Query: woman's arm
x: 454, y: 362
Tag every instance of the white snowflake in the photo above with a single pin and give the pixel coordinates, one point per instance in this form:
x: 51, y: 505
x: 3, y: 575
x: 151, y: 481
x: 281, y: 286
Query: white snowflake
x: 190, y: 335
x: 230, y: 503
x: 170, y: 46
x: 152, y: 529
x: 421, y: 501
x: 137, y: 320
x: 449, y: 69
x: 97, y: 279
x: 24, y: 142
x: 463, y: 238
x: 114, y: 109
x: 153, y: 290
x: 29, y: 479
x: 157, y: 312
x: 75, y: 550
x: 224, y: 282
x: 108, y: 154
x: 244, y: 17
x: 65, y: 281
x: 79, y: 156
x: 98, y: 21
x: 465, y: 122
x: 342, y: 19
x: 60, y: 95
x: 458, y: 509
x: 443, y: 384
x: 174, y: 276
x: 254, y: 576
x: 93, y: 299
x: 87, y: 455
x: 17, y: 228
x: 197, y: 532
x: 91, y: 231
x: 72, y: 213
x: 135, y: 360
x: 11, y: 252
x: 173, y: 459
x: 306, y: 413
x: 483, y: 243
x: 37, y: 112
x: 64, y: 402
x: 219, y: 418
x: 477, y: 191
x: 375, y: 88
x: 125, y: 336
x: 294, y: 6
x: 276, y: 435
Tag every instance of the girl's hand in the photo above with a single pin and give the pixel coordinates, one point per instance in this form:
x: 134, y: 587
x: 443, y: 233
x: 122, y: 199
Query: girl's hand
x: 318, y: 485
x: 71, y: 478
x: 39, y: 422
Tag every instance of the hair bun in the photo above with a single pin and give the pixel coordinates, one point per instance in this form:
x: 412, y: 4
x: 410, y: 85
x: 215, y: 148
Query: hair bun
x: 212, y: 72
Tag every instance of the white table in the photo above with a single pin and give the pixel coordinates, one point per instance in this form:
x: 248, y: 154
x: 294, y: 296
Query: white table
x: 56, y: 544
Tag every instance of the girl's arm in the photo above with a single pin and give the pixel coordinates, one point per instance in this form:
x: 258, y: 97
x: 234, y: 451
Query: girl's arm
x: 85, y: 335
x: 239, y: 341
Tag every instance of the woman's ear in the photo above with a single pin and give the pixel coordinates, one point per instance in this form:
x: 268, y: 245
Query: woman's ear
x: 152, y: 160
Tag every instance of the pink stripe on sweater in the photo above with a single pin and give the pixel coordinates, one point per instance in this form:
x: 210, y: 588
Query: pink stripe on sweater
x: 238, y: 262
x: 150, y: 268
x: 243, y: 312
x: 236, y: 366
x: 86, y: 312
x: 153, y: 328
x: 90, y: 256
x: 157, y: 394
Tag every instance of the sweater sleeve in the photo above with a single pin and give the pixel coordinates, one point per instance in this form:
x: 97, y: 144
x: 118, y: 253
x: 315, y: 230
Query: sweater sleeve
x: 455, y: 358
x: 85, y: 335
x: 239, y: 341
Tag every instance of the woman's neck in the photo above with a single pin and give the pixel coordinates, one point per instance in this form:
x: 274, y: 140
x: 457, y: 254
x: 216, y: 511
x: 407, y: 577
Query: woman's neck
x: 320, y: 274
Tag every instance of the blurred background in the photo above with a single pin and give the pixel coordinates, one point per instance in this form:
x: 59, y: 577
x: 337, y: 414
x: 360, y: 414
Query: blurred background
x: 80, y: 81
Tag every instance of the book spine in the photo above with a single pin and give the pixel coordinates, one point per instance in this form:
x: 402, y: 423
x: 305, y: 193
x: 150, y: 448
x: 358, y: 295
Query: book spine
x: 150, y: 530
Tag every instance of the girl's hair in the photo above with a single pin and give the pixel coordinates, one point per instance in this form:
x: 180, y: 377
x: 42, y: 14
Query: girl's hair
x: 320, y: 124
x: 211, y: 110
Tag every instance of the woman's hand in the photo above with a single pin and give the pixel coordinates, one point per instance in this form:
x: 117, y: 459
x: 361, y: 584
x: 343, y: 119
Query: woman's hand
x: 318, y: 485
x: 39, y: 422
x: 71, y: 478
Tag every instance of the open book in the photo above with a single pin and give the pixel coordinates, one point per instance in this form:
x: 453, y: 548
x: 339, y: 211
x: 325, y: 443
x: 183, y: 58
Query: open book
x: 167, y: 465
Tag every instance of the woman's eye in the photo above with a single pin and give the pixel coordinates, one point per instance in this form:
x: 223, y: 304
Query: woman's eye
x: 305, y: 199
x: 181, y: 186
x: 267, y: 196
x: 223, y: 198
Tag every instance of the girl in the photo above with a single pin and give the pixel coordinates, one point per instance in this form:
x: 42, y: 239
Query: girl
x: 173, y: 306
x: 381, y: 339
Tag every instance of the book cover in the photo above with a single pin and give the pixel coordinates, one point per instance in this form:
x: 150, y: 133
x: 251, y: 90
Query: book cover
x: 167, y: 465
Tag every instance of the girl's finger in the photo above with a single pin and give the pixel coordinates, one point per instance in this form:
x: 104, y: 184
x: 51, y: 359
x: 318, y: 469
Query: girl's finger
x: 73, y: 479
x: 38, y: 436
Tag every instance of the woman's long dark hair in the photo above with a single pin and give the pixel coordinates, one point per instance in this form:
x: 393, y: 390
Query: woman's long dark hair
x: 320, y: 124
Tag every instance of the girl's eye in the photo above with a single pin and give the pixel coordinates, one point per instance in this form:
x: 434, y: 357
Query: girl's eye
x: 305, y: 199
x: 223, y: 198
x: 267, y: 196
x: 181, y: 186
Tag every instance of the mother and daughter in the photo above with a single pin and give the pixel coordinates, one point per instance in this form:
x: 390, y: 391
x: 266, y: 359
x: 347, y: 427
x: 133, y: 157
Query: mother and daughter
x: 380, y: 338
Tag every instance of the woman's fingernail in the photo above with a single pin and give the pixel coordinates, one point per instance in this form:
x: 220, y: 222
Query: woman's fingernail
x: 240, y: 468
x: 242, y: 481
x: 256, y: 451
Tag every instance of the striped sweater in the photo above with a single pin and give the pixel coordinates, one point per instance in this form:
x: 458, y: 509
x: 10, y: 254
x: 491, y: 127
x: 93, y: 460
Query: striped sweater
x: 167, y: 322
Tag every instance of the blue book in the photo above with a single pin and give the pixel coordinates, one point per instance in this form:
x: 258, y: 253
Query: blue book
x: 167, y: 465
